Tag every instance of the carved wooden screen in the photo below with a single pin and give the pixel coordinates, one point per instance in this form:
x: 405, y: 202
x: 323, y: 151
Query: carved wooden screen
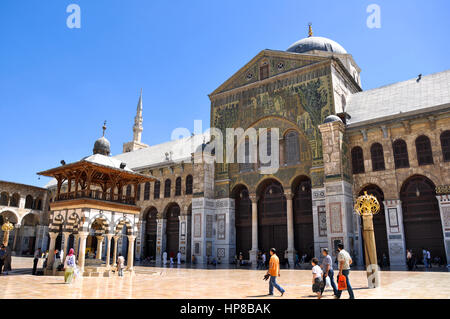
x: 400, y: 154
x: 147, y: 191
x: 445, y: 144
x: 167, y: 185
x: 243, y: 222
x: 156, y: 190
x: 303, y: 218
x: 150, y: 233
x: 172, y: 230
x: 423, y: 148
x: 357, y: 160
x: 377, y: 155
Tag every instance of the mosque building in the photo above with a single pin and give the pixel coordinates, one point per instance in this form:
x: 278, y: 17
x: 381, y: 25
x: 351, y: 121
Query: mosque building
x: 335, y: 142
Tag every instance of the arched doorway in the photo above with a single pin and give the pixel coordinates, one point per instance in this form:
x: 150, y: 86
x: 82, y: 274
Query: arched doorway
x: 150, y: 233
x: 303, y: 216
x: 379, y: 223
x: 272, y: 221
x: 172, y: 229
x: 421, y: 217
x: 243, y: 220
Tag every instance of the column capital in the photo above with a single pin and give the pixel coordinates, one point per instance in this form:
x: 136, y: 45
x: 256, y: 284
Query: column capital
x: 131, y: 237
x: 53, y: 235
x: 100, y: 237
x: 17, y: 226
x: 288, y: 194
x: 66, y: 233
x: 83, y: 234
x: 109, y: 236
x: 253, y: 197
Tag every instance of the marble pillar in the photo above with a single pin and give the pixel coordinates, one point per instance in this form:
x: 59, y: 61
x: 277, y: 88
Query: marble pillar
x: 51, y: 250
x: 130, y: 258
x: 66, y: 242
x: 254, y: 251
x: 108, y: 250
x: 290, y: 228
x: 82, y: 254
x: 116, y: 239
x: 99, y: 247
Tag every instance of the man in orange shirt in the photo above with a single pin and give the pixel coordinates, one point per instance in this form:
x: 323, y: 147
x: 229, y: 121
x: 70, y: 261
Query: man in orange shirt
x: 274, y: 272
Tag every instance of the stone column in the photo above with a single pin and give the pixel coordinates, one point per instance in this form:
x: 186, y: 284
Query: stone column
x: 51, y: 250
x: 444, y: 209
x: 290, y: 227
x: 75, y: 241
x: 116, y: 239
x: 395, y: 232
x: 66, y: 242
x: 161, y: 239
x: 83, y: 237
x: 130, y: 259
x: 108, y: 249
x: 254, y: 251
x: 99, y: 247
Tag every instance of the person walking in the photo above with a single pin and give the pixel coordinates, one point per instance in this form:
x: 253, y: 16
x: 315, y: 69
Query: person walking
x: 120, y: 264
x: 317, y: 280
x: 179, y: 258
x: 171, y: 257
x: 37, y: 255
x: 327, y: 268
x: 344, y: 270
x: 165, y: 257
x: 2, y: 257
x: 286, y: 258
x: 429, y: 259
x: 7, y: 263
x: 409, y: 260
x: 274, y: 272
x: 297, y: 261
x: 70, y: 265
x: 263, y: 260
x: 424, y: 258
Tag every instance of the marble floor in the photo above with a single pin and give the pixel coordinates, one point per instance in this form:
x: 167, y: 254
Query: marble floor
x: 154, y: 282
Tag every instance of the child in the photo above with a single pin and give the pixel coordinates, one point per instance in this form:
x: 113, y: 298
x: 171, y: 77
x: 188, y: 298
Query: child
x: 317, y: 280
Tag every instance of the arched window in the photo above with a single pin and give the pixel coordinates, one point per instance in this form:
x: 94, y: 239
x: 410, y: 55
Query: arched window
x: 147, y: 191
x: 292, y: 151
x: 138, y: 195
x: 167, y: 184
x: 376, y: 152
x: 268, y: 149
x: 400, y: 154
x: 357, y: 160
x: 14, y: 202
x: 4, y: 199
x: 445, y: 144
x: 156, y: 190
x: 423, y: 149
x: 178, y: 186
x: 29, y: 202
x: 38, y: 205
x: 188, y: 184
x: 246, y: 166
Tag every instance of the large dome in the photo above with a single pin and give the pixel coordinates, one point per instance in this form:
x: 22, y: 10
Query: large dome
x: 316, y: 43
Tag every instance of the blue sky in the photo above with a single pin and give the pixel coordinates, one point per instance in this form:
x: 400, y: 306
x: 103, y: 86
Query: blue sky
x: 58, y: 85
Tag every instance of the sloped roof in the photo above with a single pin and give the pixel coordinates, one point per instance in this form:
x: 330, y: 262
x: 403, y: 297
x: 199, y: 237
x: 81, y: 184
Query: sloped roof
x: 177, y: 150
x: 399, y: 99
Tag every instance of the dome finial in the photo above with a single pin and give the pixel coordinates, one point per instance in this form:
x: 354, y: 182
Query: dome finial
x: 104, y: 128
x: 310, y: 32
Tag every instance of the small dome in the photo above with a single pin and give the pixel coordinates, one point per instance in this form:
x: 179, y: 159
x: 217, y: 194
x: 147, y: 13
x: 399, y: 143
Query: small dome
x: 332, y: 118
x: 316, y: 43
x: 102, y: 146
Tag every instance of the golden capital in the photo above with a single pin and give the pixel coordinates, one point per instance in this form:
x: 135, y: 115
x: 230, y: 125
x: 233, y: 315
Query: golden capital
x: 367, y: 205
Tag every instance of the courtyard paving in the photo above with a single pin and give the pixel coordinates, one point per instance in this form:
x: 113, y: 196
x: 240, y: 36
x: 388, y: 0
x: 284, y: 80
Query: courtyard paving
x: 181, y: 283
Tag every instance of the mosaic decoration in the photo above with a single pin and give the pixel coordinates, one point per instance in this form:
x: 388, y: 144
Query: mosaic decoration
x: 221, y: 226
x: 335, y: 218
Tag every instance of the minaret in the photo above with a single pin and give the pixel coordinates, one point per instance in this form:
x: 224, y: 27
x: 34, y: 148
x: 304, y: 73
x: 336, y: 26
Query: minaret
x: 137, y: 128
x: 136, y: 144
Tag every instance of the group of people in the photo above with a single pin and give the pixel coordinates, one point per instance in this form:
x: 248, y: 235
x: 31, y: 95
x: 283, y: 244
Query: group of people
x: 5, y: 260
x: 320, y: 273
x: 164, y: 257
x: 68, y: 265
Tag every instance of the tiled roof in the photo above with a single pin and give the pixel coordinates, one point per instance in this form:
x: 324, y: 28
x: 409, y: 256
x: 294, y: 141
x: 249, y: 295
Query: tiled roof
x: 399, y: 99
